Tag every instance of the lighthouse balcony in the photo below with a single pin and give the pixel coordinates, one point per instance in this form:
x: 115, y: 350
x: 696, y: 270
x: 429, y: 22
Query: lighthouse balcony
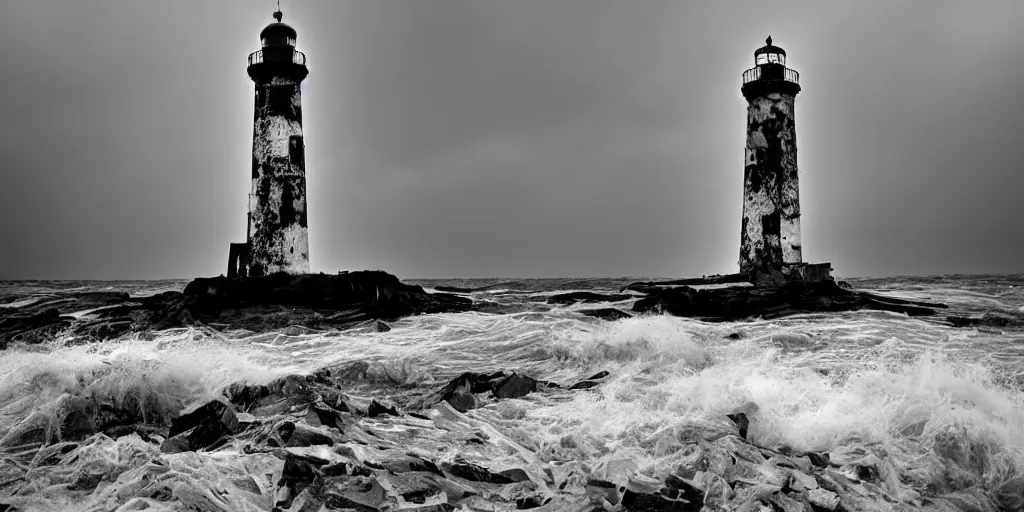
x: 289, y: 56
x: 771, y: 72
x: 270, y: 63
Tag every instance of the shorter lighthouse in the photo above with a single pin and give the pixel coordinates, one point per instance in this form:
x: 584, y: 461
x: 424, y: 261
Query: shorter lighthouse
x: 277, y: 237
x: 770, y: 243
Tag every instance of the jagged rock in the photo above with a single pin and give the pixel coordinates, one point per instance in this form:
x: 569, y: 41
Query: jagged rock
x: 201, y: 427
x: 745, y: 302
x: 253, y: 303
x: 584, y: 384
x: 514, y: 386
x: 991, y: 319
x: 530, y: 502
x: 460, y: 392
x: 588, y: 297
x: 741, y: 421
x: 606, y: 313
x: 476, y: 473
x: 590, y: 381
x: 377, y: 409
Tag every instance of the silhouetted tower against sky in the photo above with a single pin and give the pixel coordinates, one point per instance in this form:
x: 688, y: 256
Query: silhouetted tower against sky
x: 770, y: 237
x: 277, y: 234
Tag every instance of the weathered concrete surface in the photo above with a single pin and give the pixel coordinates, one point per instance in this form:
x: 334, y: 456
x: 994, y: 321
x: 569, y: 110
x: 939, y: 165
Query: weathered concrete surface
x: 278, y: 231
x: 770, y: 234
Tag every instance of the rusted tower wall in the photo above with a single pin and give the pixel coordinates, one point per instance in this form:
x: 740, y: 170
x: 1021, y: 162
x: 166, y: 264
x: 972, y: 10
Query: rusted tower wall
x: 770, y: 236
x: 278, y: 235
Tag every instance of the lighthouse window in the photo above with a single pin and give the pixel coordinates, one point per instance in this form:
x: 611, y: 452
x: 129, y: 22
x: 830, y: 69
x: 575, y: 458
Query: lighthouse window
x: 773, y: 58
x: 295, y: 153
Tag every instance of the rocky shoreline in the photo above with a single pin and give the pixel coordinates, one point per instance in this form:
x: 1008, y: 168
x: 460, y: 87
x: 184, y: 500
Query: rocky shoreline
x: 257, y: 304
x: 370, y: 298
x: 301, y: 443
x: 311, y: 442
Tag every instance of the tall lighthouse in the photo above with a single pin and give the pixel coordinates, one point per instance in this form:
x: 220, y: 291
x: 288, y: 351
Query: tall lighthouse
x: 770, y: 235
x: 277, y: 237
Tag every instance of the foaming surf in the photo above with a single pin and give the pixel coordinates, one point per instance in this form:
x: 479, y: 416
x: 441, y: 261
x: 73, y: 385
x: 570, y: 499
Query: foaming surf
x: 939, y: 409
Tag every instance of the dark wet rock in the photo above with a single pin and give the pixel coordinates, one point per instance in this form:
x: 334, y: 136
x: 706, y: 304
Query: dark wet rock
x: 588, y: 297
x: 256, y: 303
x: 606, y: 313
x: 296, y: 475
x: 476, y: 473
x: 300, y: 435
x: 106, y: 330
x: 991, y: 319
x: 590, y: 381
x: 687, y: 489
x: 376, y: 409
x: 28, y: 327
x: 820, y: 460
x: 742, y: 423
x: 745, y: 302
x: 844, y: 284
x: 202, y: 427
x: 514, y: 386
x: 461, y: 392
x: 531, y: 502
x: 643, y: 502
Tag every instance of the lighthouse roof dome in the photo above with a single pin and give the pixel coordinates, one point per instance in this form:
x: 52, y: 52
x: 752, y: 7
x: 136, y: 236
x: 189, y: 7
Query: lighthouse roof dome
x: 278, y: 29
x: 769, y: 48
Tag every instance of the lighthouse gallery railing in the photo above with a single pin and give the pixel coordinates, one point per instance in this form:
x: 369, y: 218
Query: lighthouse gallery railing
x: 789, y: 75
x: 257, y: 58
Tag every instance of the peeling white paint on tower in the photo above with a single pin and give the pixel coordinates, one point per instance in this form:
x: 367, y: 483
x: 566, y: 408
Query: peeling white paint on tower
x: 770, y: 235
x: 278, y: 239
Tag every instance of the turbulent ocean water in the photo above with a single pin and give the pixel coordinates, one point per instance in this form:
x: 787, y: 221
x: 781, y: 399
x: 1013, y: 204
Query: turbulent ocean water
x: 943, y: 406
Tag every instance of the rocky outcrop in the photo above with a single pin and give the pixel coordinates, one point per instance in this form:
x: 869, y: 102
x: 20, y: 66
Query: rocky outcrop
x: 744, y: 302
x: 998, y: 320
x: 255, y: 303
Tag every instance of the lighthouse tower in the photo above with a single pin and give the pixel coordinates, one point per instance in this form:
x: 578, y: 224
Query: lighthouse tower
x: 770, y: 235
x: 277, y: 239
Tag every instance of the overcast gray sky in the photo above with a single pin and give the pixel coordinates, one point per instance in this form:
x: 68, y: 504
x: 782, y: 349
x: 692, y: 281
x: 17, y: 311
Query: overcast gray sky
x: 510, y: 138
